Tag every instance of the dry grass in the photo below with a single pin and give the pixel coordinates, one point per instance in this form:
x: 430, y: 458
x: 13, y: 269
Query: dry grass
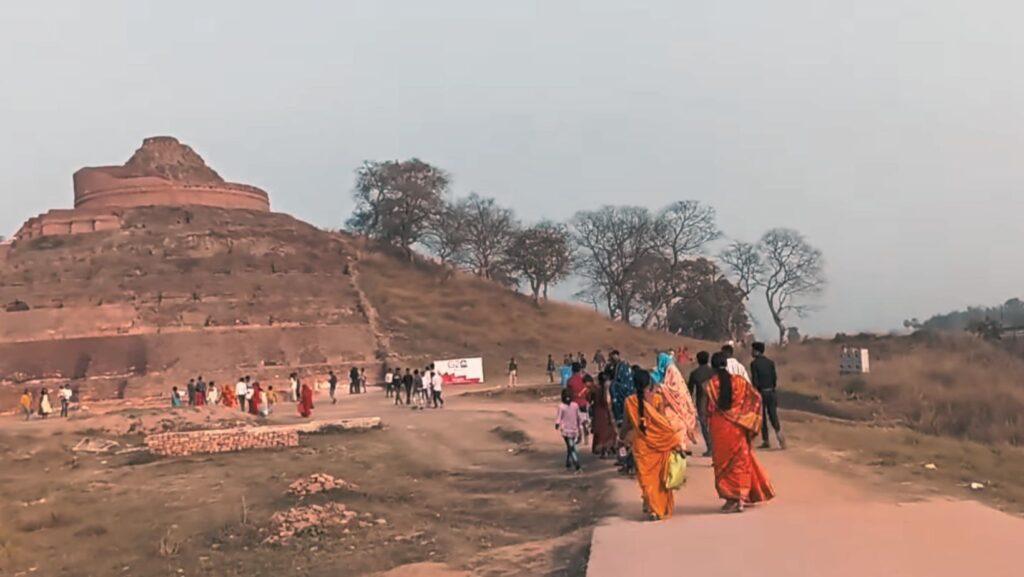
x: 947, y: 385
x: 432, y: 318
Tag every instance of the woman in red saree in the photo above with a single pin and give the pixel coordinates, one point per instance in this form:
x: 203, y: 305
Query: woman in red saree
x: 306, y: 400
x: 655, y: 437
x: 734, y: 418
x: 257, y: 399
x: 604, y: 425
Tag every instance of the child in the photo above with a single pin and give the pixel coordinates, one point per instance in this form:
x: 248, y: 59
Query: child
x: 175, y: 398
x: 26, y: 404
x: 567, y: 422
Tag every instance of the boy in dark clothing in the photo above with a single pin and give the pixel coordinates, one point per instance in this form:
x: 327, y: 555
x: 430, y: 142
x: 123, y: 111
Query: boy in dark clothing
x: 332, y: 383
x: 407, y: 381
x: 765, y: 380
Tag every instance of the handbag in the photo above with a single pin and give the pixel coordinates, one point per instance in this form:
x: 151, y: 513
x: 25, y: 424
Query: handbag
x: 675, y: 472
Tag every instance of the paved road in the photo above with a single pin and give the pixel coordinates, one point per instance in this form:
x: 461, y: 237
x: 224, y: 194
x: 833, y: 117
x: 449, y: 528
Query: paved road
x: 820, y: 525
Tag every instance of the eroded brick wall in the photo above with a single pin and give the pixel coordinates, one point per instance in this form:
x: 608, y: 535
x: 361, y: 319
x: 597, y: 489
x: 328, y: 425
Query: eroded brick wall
x: 220, y: 441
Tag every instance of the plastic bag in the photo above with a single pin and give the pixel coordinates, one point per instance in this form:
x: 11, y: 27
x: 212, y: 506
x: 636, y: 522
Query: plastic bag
x: 675, y: 472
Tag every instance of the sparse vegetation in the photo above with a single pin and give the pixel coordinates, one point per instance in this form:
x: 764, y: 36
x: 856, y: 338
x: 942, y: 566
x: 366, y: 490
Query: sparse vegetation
x: 939, y: 384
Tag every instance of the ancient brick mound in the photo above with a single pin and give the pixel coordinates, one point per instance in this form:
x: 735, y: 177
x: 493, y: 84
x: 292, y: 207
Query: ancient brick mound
x: 178, y: 292
x: 163, y: 172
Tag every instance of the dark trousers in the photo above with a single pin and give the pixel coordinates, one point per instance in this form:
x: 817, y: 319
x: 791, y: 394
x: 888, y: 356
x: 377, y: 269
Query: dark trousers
x: 769, y: 412
x: 408, y: 394
x: 398, y: 393
x: 241, y: 402
x: 438, y: 401
x: 63, y: 407
x: 702, y: 419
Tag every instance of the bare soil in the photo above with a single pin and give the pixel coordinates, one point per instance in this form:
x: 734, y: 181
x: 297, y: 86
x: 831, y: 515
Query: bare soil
x: 475, y: 487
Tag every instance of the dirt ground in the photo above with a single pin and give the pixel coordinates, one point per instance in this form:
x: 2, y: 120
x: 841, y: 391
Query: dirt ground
x: 477, y: 486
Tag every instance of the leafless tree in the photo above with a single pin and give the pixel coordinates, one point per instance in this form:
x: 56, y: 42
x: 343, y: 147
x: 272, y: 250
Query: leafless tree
x: 489, y: 230
x: 613, y: 242
x: 542, y: 255
x: 793, y: 269
x: 395, y: 200
x: 445, y: 236
x: 744, y: 261
x: 681, y: 231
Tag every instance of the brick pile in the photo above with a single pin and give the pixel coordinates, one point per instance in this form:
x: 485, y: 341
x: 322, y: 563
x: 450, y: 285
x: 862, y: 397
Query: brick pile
x: 319, y: 483
x: 221, y: 441
x: 308, y: 520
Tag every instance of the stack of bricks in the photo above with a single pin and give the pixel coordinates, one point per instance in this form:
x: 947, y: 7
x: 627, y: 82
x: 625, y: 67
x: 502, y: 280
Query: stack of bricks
x: 221, y: 441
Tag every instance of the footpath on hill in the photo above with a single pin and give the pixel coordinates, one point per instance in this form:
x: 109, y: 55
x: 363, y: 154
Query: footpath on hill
x: 820, y: 524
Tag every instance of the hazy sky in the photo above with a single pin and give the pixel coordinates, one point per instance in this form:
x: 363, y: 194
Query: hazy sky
x: 890, y: 132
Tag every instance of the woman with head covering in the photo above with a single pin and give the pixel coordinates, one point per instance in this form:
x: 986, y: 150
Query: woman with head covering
x: 257, y: 399
x: 655, y: 437
x: 679, y: 407
x: 306, y: 400
x: 227, y: 397
x: 734, y: 418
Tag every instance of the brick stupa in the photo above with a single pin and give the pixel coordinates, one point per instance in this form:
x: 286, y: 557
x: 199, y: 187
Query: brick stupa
x: 163, y: 172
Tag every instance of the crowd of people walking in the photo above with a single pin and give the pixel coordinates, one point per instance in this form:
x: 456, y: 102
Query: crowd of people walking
x: 649, y: 420
x: 414, y: 388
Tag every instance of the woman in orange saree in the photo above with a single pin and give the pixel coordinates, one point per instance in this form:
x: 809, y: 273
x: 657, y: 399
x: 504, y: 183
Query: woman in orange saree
x: 227, y: 397
x: 655, y: 437
x: 306, y: 401
x: 734, y: 418
x: 679, y: 407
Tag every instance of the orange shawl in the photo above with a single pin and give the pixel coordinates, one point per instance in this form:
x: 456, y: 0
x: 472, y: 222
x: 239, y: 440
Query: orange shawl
x: 651, y: 450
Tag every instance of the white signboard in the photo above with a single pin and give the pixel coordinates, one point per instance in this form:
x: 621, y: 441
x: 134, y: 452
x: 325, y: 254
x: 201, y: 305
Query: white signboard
x: 461, y: 371
x: 853, y: 361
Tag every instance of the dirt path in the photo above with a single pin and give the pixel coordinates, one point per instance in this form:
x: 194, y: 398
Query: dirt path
x: 821, y: 524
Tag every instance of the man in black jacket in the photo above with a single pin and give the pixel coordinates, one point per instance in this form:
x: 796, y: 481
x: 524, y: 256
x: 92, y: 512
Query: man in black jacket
x: 765, y: 380
x: 698, y: 383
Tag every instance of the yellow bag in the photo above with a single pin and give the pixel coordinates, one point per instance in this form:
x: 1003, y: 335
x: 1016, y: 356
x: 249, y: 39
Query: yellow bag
x: 675, y: 472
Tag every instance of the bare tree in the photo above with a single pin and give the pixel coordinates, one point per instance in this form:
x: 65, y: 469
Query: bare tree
x: 489, y: 230
x: 744, y: 261
x: 793, y: 269
x: 395, y: 200
x: 542, y: 255
x: 684, y: 228
x: 445, y: 236
x: 681, y: 231
x: 614, y: 241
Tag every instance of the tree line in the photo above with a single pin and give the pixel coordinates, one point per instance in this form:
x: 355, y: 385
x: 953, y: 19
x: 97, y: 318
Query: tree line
x: 643, y: 267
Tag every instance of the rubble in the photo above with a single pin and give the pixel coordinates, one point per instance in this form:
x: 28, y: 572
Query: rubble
x: 92, y: 445
x: 319, y: 483
x: 307, y: 520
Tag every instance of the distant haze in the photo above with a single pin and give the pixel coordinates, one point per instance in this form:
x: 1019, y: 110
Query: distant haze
x: 890, y: 133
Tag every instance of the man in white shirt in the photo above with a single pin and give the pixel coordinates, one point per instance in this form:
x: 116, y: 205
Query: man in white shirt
x: 732, y: 365
x: 389, y: 379
x: 241, y: 390
x: 65, y: 399
x: 436, y: 382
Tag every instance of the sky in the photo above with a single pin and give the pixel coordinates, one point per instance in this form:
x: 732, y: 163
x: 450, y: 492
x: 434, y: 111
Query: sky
x: 889, y: 132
